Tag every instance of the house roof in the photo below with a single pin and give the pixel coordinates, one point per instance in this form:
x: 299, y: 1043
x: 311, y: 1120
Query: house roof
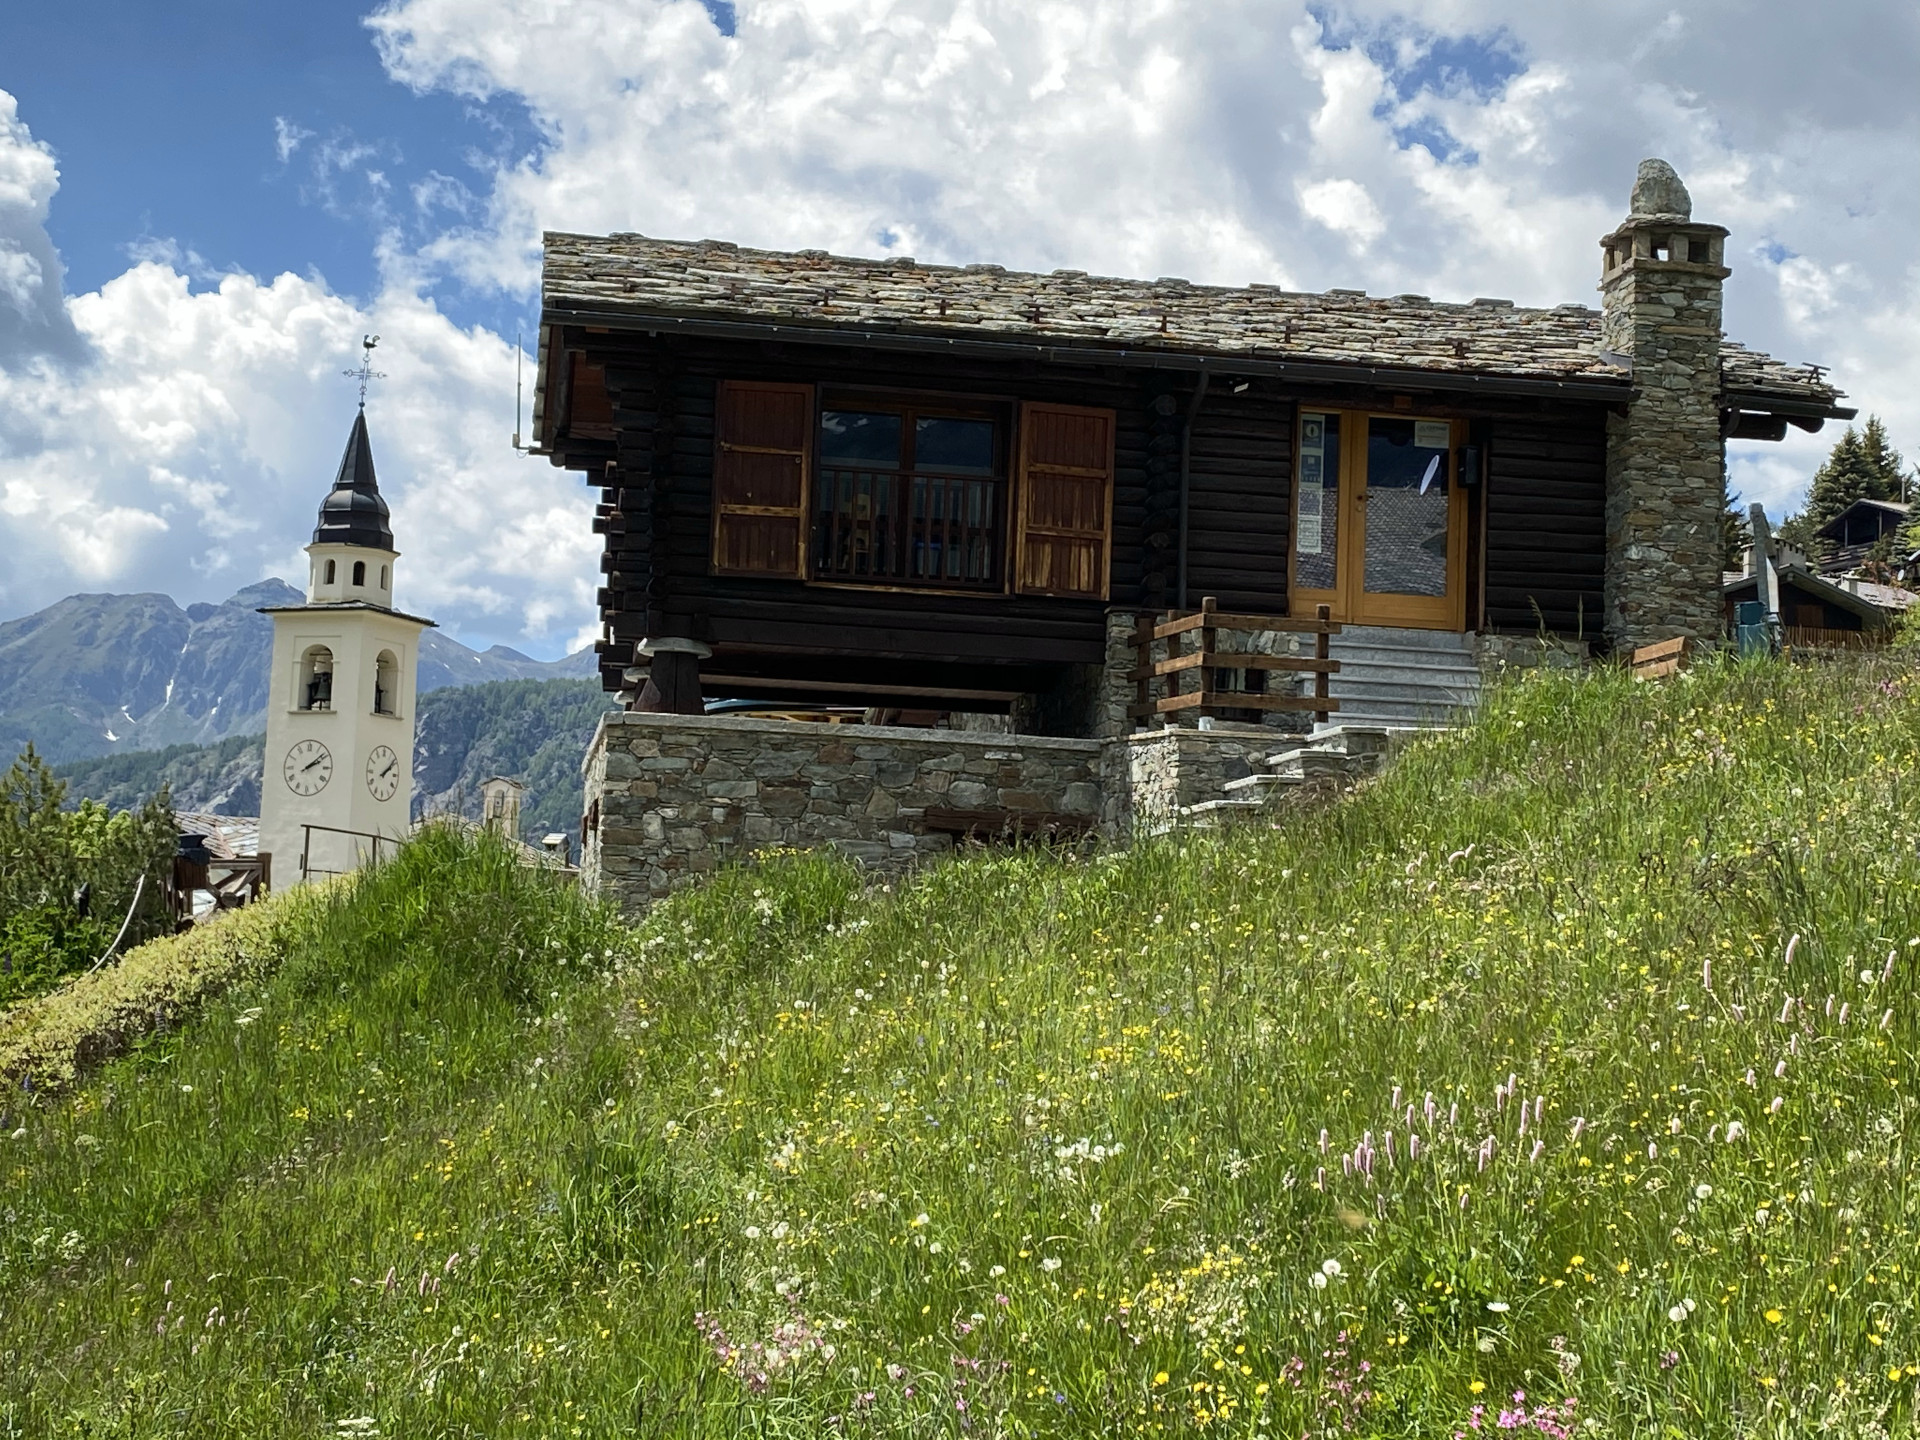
x: 1888, y: 508
x: 1872, y: 607
x: 703, y: 284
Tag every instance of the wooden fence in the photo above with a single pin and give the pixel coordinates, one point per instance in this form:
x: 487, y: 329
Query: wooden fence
x: 1205, y: 662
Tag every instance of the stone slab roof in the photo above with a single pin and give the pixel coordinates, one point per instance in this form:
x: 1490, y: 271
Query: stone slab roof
x: 715, y: 281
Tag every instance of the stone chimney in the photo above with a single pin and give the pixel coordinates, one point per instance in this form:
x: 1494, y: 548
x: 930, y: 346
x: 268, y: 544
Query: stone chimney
x: 1666, y: 462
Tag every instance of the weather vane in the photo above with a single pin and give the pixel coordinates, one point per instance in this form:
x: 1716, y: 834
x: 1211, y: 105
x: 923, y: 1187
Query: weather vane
x: 365, y: 372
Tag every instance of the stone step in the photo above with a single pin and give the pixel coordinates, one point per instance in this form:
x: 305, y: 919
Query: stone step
x: 1396, y: 671
x: 1354, y: 637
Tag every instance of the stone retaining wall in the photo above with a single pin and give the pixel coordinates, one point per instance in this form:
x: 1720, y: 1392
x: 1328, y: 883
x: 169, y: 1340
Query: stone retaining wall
x: 680, y: 795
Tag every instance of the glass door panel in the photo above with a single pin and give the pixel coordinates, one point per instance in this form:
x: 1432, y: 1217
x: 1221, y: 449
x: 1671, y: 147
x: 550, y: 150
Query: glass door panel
x: 1316, y: 525
x: 1408, y: 506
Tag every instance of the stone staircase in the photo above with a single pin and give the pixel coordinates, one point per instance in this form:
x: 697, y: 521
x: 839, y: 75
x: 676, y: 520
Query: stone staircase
x: 1393, y: 683
x: 1403, y: 678
x: 1333, y: 757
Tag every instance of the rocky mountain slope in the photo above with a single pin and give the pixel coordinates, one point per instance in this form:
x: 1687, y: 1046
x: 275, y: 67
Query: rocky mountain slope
x: 534, y: 731
x: 108, y: 674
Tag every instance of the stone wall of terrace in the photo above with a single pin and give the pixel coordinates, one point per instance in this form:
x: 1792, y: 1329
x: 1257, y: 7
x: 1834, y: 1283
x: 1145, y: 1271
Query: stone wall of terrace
x: 673, y: 797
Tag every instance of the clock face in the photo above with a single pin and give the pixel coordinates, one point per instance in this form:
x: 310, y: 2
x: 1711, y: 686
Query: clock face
x: 309, y: 766
x: 383, y: 773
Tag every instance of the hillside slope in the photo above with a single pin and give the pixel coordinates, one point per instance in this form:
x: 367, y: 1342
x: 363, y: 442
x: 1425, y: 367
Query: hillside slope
x: 1500, y: 1095
x: 105, y: 674
x: 533, y: 730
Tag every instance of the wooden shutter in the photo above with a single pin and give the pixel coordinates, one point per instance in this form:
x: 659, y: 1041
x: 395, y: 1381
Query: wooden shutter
x: 1066, y: 501
x: 763, y: 437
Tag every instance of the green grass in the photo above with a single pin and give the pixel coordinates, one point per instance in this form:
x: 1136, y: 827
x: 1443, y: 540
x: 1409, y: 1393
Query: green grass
x: 1032, y: 1146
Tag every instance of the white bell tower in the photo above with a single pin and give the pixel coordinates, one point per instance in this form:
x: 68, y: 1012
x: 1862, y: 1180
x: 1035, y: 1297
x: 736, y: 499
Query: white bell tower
x: 338, y: 788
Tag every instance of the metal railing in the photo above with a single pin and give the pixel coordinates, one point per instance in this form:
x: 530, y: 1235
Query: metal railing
x: 308, y: 870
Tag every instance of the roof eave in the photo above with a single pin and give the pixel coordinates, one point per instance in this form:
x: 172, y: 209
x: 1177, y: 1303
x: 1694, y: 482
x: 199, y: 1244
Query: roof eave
x: 1036, y: 345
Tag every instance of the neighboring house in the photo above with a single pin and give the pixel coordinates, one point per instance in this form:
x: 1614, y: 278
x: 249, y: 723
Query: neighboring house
x: 890, y: 484
x: 1819, y: 610
x: 1854, y: 533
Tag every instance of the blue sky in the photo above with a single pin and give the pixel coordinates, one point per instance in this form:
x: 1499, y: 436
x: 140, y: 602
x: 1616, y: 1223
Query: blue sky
x: 237, y: 192
x: 169, y: 123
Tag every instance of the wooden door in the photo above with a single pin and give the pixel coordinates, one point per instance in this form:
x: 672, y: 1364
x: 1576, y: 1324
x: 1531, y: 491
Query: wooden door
x: 1380, y: 519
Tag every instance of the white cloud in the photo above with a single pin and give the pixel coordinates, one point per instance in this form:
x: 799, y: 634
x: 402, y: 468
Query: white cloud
x: 194, y: 450
x: 1345, y: 206
x: 288, y: 137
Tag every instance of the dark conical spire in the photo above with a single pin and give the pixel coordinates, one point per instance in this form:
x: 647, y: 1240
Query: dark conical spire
x: 353, y: 512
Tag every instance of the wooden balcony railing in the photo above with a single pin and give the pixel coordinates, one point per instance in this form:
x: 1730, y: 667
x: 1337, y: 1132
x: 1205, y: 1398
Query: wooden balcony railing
x: 1206, y: 662
x: 908, y: 528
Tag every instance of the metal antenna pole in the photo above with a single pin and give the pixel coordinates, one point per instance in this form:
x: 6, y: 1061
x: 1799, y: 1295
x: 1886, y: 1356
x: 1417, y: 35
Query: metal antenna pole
x: 517, y: 358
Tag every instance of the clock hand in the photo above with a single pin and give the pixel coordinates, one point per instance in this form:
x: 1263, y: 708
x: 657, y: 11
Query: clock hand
x: 389, y: 770
x: 311, y: 763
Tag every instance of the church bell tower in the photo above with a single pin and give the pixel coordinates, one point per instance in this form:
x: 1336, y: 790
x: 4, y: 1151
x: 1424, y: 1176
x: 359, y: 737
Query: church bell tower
x: 338, y: 787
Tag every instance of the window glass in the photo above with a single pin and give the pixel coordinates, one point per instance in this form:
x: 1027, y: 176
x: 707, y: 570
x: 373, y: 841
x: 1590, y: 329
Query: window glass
x: 1407, y: 510
x: 963, y: 447
x: 861, y: 439
x: 1316, y: 527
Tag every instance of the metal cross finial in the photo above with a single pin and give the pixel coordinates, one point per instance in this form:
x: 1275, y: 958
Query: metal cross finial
x: 365, y: 372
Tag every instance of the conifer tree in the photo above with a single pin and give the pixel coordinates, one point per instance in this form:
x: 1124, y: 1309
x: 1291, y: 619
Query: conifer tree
x: 1863, y: 465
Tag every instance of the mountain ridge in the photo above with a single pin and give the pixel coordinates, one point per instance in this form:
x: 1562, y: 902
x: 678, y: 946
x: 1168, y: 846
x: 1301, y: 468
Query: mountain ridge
x: 102, y: 674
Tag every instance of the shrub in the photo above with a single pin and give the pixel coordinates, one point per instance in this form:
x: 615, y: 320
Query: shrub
x: 69, y: 878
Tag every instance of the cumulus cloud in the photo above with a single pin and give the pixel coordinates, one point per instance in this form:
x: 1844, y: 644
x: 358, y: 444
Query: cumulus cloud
x: 188, y: 451
x: 33, y: 322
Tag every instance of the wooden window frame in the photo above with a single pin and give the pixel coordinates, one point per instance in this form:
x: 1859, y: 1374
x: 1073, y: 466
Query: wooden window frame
x: 1001, y: 411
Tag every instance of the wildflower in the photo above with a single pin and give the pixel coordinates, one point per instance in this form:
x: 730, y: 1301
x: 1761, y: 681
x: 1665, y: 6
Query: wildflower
x: 1579, y: 1127
x: 1702, y: 1190
x: 1774, y: 1317
x: 1886, y: 1021
x: 1735, y: 1130
x: 1534, y: 1156
x: 1670, y: 1359
x: 1317, y: 1280
x: 995, y: 1272
x: 1774, y: 1107
x: 1477, y: 1386
x: 1160, y: 1377
x: 1050, y: 1264
x: 1676, y: 1313
x: 1498, y: 1307
x: 1329, y: 1267
x: 1653, y: 1151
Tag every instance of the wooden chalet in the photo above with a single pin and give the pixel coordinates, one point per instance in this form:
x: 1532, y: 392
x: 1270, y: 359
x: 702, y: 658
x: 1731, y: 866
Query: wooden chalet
x: 1859, y: 532
x: 883, y: 483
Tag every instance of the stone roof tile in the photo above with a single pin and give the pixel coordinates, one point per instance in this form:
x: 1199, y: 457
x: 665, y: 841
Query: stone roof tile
x: 717, y: 281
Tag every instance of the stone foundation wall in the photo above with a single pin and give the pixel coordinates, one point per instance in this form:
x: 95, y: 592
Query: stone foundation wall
x: 1530, y: 652
x: 678, y: 796
x: 1153, y: 774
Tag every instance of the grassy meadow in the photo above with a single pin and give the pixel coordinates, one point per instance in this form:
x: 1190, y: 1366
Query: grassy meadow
x: 1559, y: 1080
